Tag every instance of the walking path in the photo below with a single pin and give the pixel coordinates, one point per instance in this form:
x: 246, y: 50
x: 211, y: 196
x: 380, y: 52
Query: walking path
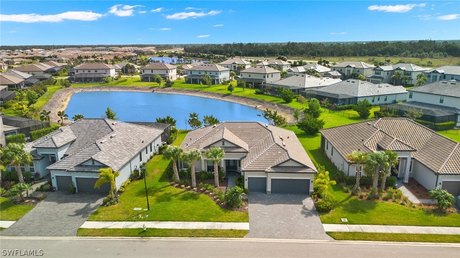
x: 412, y: 198
x: 6, y: 223
x: 392, y: 229
x: 166, y: 225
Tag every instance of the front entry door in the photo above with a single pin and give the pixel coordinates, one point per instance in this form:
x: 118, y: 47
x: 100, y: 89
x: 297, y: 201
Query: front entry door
x: 231, y: 165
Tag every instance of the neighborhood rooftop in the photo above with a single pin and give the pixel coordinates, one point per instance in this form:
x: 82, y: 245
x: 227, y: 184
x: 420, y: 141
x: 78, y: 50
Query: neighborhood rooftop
x: 360, y: 65
x: 89, y: 66
x: 159, y: 66
x: 260, y: 69
x: 208, y: 67
x: 305, y: 81
x: 448, y: 69
x: 358, y: 88
x: 445, y: 88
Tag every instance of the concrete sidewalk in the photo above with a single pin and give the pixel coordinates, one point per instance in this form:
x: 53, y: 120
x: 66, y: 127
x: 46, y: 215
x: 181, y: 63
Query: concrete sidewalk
x: 6, y: 223
x: 392, y: 229
x: 166, y: 225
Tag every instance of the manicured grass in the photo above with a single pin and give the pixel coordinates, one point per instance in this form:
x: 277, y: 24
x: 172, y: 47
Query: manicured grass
x: 153, y: 232
x: 167, y: 203
x: 11, y: 211
x: 395, y: 237
x: 46, y: 97
x: 453, y: 134
x: 124, y: 81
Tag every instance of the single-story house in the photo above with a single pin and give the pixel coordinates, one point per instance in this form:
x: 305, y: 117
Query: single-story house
x: 17, y: 125
x: 424, y: 155
x: 11, y: 82
x: 236, y: 64
x: 260, y: 75
x: 218, y: 73
x: 300, y: 82
x: 92, y: 72
x: 5, y: 94
x: 73, y: 154
x: 166, y: 71
x: 354, y: 91
x: 35, y: 69
x: 271, y: 159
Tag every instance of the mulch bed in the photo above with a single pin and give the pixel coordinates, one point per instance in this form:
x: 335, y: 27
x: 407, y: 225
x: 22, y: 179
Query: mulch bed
x: 417, y: 189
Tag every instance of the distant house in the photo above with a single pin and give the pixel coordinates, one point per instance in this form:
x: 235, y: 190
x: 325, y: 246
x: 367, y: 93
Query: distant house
x: 438, y: 101
x: 55, y: 66
x: 128, y: 68
x: 384, y: 74
x: 317, y: 68
x: 443, y: 73
x: 20, y: 125
x: 424, y: 155
x: 260, y: 75
x: 5, y: 94
x: 352, y: 91
x: 300, y: 83
x: 72, y: 155
x: 236, y: 64
x: 276, y: 64
x: 92, y: 72
x: 35, y: 69
x: 218, y: 73
x: 271, y: 159
x: 353, y: 69
x: 333, y: 74
x: 11, y: 81
x: 166, y: 71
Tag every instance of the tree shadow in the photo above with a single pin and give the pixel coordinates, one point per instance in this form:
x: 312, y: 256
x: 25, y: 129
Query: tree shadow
x: 359, y: 206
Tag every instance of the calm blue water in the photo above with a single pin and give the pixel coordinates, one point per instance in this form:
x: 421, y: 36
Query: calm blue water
x: 146, y: 106
x: 174, y: 60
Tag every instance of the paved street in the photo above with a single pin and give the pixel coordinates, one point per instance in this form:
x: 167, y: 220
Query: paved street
x: 60, y: 214
x: 284, y: 216
x: 71, y: 247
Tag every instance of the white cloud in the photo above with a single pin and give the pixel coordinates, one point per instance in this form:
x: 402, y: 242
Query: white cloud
x: 187, y: 15
x: 338, y: 33
x: 59, y: 17
x: 142, y: 12
x: 449, y: 17
x: 157, y: 10
x: 123, y: 10
x: 399, y: 8
x: 203, y: 36
x: 164, y: 29
x: 218, y: 25
x: 193, y: 8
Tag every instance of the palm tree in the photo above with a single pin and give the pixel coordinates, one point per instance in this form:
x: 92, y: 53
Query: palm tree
x: 15, y: 155
x: 373, y: 167
x: 107, y: 175
x: 421, y: 79
x: 62, y: 116
x: 391, y: 159
x: 173, y: 153
x: 358, y: 158
x: 45, y: 115
x: 216, y: 154
x: 191, y: 157
x: 78, y: 117
x: 397, y: 77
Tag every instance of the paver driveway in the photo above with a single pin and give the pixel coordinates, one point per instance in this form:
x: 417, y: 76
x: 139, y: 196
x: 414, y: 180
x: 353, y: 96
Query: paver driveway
x: 284, y: 216
x: 60, y: 214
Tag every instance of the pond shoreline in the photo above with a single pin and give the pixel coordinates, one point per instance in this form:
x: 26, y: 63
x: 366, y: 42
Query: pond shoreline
x: 61, y: 99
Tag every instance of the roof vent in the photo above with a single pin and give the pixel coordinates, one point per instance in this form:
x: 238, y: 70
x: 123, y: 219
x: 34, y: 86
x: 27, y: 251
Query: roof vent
x: 284, y: 144
x: 281, y: 137
x: 266, y: 125
x: 113, y: 136
x: 101, y: 142
x: 369, y: 123
x: 214, y: 126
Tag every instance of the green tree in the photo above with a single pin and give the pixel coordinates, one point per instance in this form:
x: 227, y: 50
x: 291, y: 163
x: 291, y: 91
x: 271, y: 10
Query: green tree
x: 110, y: 114
x: 15, y: 155
x: 157, y: 78
x: 232, y: 74
x: 210, y: 120
x: 206, y: 80
x: 166, y: 120
x: 314, y: 108
x: 107, y: 176
x: 310, y: 125
x: 230, y: 88
x: 241, y: 84
x: 173, y: 153
x: 190, y: 157
x: 413, y: 113
x: 77, y: 117
x: 397, y: 77
x: 421, y: 79
x: 194, y: 120
x: 216, y: 154
x: 274, y: 118
x: 359, y: 159
x: 287, y: 95
x: 18, y: 189
x: 45, y: 115
x: 284, y: 74
x: 373, y: 167
x: 32, y: 97
x: 62, y: 116
x: 65, y: 83
x: 361, y: 77
x: 363, y: 108
x: 321, y: 183
x: 169, y: 83
x: 391, y: 160
x: 444, y: 198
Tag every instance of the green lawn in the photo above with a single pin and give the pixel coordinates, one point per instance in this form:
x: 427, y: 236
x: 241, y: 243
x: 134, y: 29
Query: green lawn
x: 11, y: 211
x: 124, y: 81
x: 46, y: 97
x: 153, y: 232
x: 395, y: 237
x: 167, y: 203
x: 453, y: 134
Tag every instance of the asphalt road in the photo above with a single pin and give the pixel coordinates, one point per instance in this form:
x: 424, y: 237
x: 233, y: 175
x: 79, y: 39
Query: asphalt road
x: 70, y: 247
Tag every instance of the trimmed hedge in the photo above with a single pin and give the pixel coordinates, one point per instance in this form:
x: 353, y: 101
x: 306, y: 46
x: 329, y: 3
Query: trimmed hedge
x: 367, y: 181
x: 16, y: 138
x: 34, y: 135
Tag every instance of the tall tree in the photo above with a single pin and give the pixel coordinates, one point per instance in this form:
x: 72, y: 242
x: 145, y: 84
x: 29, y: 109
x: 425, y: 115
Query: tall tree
x: 373, y: 167
x: 190, y: 157
x: 397, y: 77
x: 216, y: 154
x: 363, y: 108
x: 45, y: 115
x: 110, y: 114
x: 391, y: 160
x: 314, y: 108
x: 107, y: 176
x: 166, y: 120
x: 15, y: 155
x: 210, y: 120
x: 359, y: 159
x: 62, y: 116
x: 194, y: 120
x: 173, y: 153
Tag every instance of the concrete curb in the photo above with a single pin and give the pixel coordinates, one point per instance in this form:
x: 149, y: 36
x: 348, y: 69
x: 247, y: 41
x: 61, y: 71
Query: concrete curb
x: 166, y: 225
x: 392, y: 229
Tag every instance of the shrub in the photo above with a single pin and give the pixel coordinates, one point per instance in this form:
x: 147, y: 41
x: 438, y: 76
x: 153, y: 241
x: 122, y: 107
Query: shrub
x: 367, y: 181
x: 46, y: 188
x: 2, y: 191
x: 72, y: 189
x: 234, y: 197
x: 443, y: 197
x: 363, y: 108
x: 325, y: 205
x: 230, y: 88
x: 162, y: 148
x: 344, y: 107
x: 301, y: 99
x: 310, y: 125
x: 42, y: 132
x: 259, y: 91
x: 287, y: 95
x: 203, y: 175
x: 16, y: 138
x: 240, y: 182
x: 18, y: 189
x: 314, y: 108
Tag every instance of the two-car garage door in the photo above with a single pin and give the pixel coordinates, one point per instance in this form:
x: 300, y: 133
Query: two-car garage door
x: 84, y: 185
x: 279, y: 185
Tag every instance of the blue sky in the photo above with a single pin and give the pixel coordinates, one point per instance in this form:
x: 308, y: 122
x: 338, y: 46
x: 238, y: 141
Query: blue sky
x: 33, y: 22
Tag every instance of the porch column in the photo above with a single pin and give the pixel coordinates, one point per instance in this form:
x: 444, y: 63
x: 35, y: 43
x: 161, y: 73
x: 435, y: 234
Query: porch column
x: 406, y: 170
x: 222, y: 164
x: 202, y: 165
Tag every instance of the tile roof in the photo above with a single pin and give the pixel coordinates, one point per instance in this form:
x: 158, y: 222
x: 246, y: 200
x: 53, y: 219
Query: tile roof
x: 19, y: 74
x: 260, y: 69
x: 357, y: 88
x: 317, y: 67
x: 266, y: 146
x: 89, y: 66
x: 304, y: 81
x: 159, y: 66
x: 109, y: 142
x: 273, y: 62
x: 409, y: 67
x: 448, y: 69
x: 235, y: 60
x: 446, y: 88
x: 40, y: 67
x: 354, y: 65
x: 433, y: 150
x: 208, y: 67
x: 8, y: 79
